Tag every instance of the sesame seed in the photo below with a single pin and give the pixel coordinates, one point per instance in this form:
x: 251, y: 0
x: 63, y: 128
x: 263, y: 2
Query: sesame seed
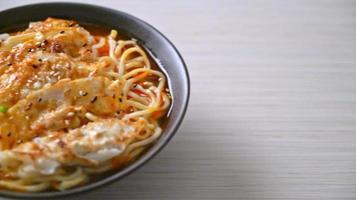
x: 94, y: 99
x: 82, y: 93
x: 48, y: 79
x: 70, y: 114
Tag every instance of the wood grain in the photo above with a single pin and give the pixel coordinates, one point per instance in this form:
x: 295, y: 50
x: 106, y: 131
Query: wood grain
x: 273, y: 104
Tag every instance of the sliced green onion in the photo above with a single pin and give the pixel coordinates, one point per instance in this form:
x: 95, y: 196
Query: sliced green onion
x: 3, y: 109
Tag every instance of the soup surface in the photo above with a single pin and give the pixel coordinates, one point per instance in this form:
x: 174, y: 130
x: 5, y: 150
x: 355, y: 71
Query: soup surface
x: 74, y: 102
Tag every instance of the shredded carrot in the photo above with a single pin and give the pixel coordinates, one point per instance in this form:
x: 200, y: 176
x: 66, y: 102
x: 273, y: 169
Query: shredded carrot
x: 157, y: 114
x: 104, y: 50
x: 139, y: 92
x: 141, y: 75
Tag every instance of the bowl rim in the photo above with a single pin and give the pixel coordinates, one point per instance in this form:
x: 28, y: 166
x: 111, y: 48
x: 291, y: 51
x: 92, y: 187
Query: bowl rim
x: 153, y: 151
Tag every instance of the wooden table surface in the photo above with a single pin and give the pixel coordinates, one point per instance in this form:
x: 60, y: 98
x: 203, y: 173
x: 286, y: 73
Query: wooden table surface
x: 273, y: 102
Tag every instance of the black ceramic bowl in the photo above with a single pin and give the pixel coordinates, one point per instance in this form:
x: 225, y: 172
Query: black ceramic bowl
x: 158, y: 45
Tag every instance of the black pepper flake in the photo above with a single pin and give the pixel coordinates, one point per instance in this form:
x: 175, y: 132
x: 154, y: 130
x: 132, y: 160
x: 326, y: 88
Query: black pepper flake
x: 40, y: 99
x: 118, y: 112
x: 9, y: 134
x: 30, y: 50
x: 62, y: 32
x: 57, y: 48
x: 84, y: 94
x: 9, y: 64
x: 94, y: 99
x: 135, y: 85
x: 39, y: 60
x: 34, y: 66
x: 120, y: 99
x: 44, y: 43
x: 85, y: 44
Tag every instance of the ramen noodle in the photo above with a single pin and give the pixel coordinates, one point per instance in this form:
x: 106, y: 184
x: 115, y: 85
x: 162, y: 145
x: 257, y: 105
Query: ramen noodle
x: 73, y: 104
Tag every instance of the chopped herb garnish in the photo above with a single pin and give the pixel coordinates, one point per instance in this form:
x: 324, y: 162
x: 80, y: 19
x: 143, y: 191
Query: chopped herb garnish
x: 3, y: 109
